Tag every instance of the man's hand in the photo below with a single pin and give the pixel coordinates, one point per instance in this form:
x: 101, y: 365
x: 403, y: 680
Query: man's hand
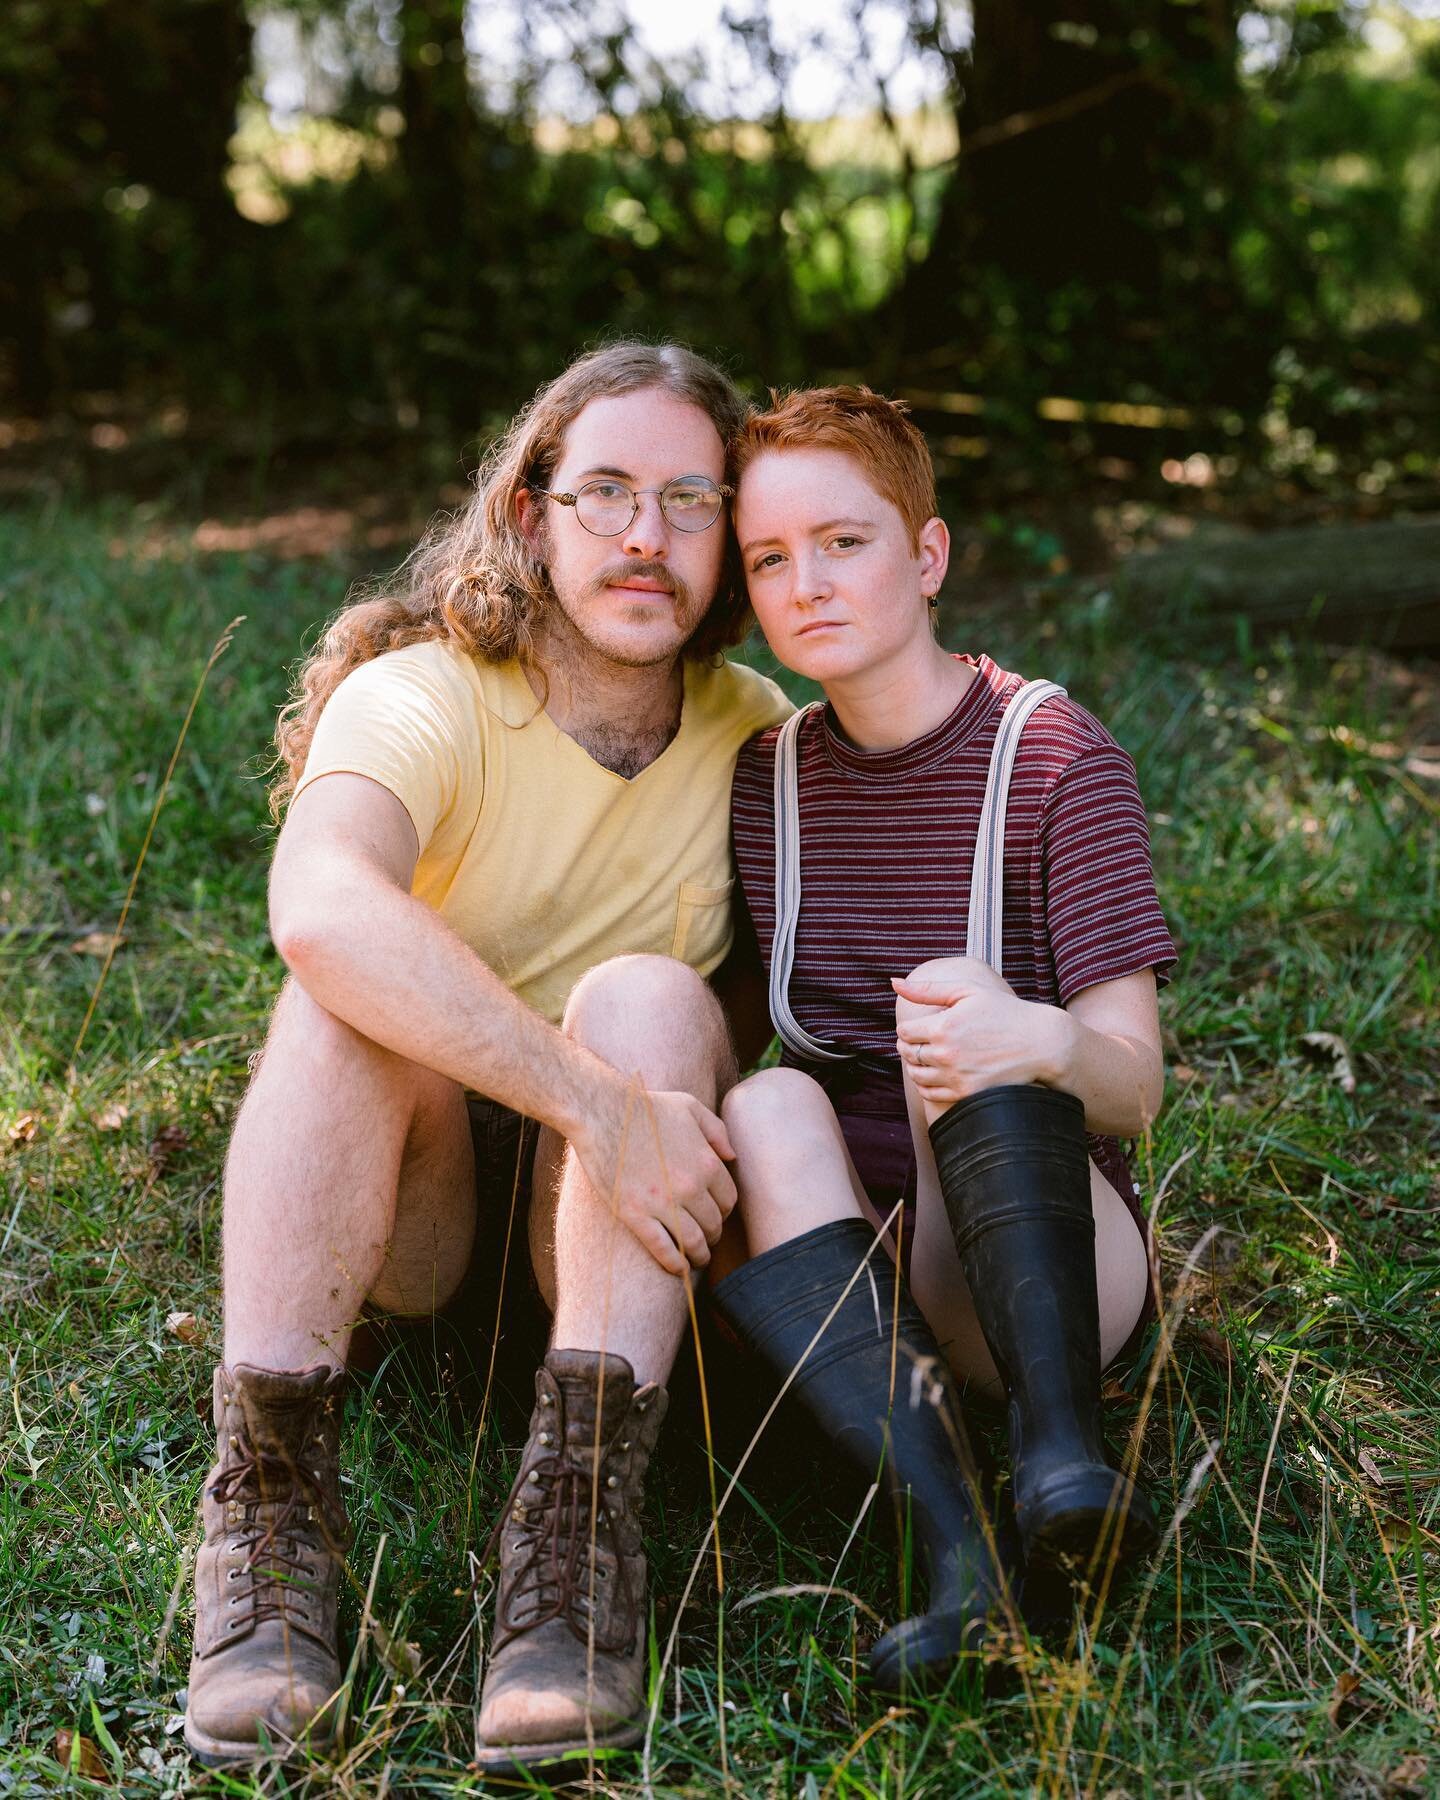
x: 978, y: 1035
x: 659, y: 1160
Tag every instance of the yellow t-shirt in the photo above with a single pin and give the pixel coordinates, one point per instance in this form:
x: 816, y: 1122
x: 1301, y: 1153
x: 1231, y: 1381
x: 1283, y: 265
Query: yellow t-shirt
x: 543, y: 861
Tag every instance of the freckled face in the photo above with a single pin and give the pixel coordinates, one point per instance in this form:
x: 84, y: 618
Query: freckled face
x: 833, y: 577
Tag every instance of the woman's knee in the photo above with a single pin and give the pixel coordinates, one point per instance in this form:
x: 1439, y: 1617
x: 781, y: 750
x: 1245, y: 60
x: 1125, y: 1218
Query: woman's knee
x: 944, y: 970
x: 773, y: 1101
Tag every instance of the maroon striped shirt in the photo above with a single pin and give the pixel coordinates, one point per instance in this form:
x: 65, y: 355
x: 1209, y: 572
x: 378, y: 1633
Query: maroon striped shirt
x: 887, y: 839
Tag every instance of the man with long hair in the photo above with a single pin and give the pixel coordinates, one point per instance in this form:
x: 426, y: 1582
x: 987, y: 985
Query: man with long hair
x: 501, y: 882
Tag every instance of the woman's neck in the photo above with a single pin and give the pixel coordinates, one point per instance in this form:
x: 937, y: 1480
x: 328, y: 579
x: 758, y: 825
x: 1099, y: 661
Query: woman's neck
x: 884, y: 707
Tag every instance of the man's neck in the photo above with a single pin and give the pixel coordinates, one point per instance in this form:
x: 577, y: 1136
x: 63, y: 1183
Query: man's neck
x: 885, y: 707
x: 622, y: 716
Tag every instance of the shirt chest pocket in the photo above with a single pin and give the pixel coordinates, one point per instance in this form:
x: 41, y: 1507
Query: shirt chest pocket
x: 702, y: 923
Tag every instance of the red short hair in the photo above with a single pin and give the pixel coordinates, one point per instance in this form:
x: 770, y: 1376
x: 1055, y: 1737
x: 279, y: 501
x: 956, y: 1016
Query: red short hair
x: 865, y: 425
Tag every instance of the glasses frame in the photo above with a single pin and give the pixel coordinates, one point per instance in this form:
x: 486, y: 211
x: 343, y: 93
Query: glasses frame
x: 723, y: 489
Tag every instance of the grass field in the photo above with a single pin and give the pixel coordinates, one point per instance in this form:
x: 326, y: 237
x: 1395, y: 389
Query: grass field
x: 1287, y: 1642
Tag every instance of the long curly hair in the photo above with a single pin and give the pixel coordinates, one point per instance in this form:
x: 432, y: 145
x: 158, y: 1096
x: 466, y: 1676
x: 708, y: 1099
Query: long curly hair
x: 474, y: 577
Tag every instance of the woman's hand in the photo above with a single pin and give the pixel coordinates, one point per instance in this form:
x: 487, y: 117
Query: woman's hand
x: 974, y: 1033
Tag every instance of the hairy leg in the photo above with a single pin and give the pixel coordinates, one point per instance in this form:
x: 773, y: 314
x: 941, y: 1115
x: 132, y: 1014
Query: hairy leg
x: 655, y: 1019
x: 350, y: 1174
x: 937, y: 1281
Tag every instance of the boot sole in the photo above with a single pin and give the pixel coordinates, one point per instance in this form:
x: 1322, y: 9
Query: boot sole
x: 524, y: 1759
x: 226, y: 1753
x: 1073, y: 1521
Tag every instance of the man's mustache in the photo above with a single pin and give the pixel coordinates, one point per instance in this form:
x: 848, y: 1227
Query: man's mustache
x: 618, y: 574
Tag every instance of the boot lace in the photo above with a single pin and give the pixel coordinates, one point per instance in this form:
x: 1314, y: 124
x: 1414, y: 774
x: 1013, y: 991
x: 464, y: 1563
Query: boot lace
x: 279, y: 1548
x: 556, y: 1575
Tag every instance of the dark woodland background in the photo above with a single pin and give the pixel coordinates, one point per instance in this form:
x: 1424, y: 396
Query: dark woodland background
x: 1153, y: 245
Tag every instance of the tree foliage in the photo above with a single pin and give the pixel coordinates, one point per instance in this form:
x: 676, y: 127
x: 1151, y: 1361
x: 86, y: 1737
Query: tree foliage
x: 1175, y: 201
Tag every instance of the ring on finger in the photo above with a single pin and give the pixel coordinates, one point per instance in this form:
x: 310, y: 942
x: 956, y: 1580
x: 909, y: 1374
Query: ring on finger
x: 920, y: 1056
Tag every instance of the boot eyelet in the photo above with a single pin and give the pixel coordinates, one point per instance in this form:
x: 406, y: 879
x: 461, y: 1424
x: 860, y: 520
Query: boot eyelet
x: 612, y: 1481
x: 545, y: 1439
x: 535, y: 1476
x: 640, y: 1405
x: 625, y: 1445
x: 232, y: 1575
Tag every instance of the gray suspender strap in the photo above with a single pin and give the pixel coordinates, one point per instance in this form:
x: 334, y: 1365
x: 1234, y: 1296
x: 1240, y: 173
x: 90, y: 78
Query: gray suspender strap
x: 987, y: 886
x: 787, y: 894
x: 983, y: 932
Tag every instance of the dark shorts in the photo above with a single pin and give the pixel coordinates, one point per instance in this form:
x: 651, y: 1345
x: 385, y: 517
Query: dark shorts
x: 501, y: 1280
x: 870, y: 1105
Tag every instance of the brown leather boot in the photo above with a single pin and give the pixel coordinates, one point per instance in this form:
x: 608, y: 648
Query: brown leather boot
x: 567, y: 1664
x: 266, y: 1666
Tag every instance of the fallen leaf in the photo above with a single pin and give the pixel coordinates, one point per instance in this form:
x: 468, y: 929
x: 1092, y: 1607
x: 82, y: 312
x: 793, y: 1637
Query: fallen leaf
x: 24, y: 1128
x: 82, y: 1755
x: 76, y: 1392
x: 1371, y: 1467
x: 1208, y: 1339
x: 1346, y: 1685
x: 185, y: 1326
x: 1409, y: 1775
x: 400, y: 1656
x: 165, y: 1146
x: 97, y: 943
x: 1325, y: 1046
x: 113, y: 1117
x: 1115, y: 1393
x: 1182, y: 1072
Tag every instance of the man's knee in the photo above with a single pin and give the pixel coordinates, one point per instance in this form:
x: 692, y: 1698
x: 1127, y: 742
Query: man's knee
x: 635, y: 1010
x: 305, y: 1038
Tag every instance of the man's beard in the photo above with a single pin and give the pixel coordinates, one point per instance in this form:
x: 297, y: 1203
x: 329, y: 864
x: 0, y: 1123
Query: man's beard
x: 687, y: 615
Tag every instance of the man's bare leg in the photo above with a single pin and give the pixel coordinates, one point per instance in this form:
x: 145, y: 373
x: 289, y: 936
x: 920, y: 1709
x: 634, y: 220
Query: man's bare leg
x: 653, y: 1018
x: 350, y: 1175
x: 548, y: 1691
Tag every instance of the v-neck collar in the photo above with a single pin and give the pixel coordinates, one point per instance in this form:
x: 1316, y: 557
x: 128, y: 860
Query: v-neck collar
x: 626, y: 781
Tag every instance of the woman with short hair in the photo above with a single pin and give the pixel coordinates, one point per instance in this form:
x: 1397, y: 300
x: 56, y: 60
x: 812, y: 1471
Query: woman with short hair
x: 949, y: 873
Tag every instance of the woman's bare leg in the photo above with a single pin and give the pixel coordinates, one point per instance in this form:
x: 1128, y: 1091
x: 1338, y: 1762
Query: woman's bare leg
x: 936, y: 1279
x: 791, y: 1166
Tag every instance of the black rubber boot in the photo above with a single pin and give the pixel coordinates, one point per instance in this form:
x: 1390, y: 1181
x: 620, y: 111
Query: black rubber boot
x: 1016, y: 1179
x: 777, y: 1303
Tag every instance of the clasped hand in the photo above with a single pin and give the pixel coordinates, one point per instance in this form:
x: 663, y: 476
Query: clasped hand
x: 658, y: 1160
x: 973, y: 1033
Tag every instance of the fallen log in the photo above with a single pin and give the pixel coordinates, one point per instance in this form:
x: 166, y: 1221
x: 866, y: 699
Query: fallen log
x: 1375, y: 584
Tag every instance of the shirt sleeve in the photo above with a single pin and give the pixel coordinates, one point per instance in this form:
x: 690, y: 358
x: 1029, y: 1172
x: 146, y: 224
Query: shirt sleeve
x: 405, y: 720
x: 1102, y: 914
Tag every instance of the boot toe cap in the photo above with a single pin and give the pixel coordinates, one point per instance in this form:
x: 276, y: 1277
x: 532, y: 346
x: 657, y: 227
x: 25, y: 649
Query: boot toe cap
x: 262, y: 1700
x: 920, y: 1653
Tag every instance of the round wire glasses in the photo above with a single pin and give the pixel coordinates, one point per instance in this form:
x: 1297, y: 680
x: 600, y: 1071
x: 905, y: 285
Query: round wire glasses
x: 606, y: 507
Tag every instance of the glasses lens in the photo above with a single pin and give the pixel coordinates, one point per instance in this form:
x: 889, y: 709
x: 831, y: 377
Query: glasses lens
x: 605, y: 507
x: 692, y: 504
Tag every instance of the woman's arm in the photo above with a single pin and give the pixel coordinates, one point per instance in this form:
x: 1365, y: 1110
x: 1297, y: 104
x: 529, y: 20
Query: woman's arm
x: 975, y: 1032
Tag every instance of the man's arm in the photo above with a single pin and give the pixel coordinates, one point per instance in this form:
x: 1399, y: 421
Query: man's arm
x: 355, y: 938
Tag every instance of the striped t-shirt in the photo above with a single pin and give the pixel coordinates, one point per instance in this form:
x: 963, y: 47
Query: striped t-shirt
x: 887, y: 839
